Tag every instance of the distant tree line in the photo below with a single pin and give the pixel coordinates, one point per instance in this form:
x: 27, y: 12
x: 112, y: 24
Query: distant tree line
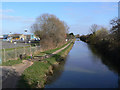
x: 106, y: 41
x: 70, y: 36
x: 77, y: 36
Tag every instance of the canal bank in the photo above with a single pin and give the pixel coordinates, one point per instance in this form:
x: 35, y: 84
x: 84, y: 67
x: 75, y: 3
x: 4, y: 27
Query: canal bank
x: 36, y: 75
x: 83, y: 69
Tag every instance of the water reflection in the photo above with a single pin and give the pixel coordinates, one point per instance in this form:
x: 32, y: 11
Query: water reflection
x: 57, y: 73
x: 109, y: 62
x: 105, y: 60
x: 84, y: 68
x: 76, y: 69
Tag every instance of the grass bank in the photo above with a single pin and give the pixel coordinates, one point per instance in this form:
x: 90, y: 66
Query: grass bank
x: 51, y: 50
x: 36, y: 75
x: 11, y: 62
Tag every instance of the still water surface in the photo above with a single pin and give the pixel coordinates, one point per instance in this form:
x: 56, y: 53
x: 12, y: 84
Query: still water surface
x: 83, y: 69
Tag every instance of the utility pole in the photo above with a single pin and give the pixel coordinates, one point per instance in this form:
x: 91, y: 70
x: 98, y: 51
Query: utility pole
x: 26, y: 36
x: 4, y: 54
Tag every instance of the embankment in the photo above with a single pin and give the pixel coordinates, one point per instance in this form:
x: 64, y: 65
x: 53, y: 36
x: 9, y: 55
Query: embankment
x: 37, y: 75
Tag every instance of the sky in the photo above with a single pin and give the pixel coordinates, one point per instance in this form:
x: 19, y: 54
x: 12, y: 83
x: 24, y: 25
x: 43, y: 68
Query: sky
x: 18, y: 16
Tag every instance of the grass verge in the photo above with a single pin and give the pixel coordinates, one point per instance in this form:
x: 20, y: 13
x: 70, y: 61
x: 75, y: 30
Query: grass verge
x: 36, y: 75
x: 53, y: 50
x: 11, y: 62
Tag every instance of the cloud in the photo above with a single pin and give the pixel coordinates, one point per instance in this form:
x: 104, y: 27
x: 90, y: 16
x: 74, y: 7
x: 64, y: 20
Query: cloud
x: 6, y: 10
x: 17, y: 19
x: 11, y: 18
x: 3, y: 16
x: 74, y: 69
x: 29, y: 20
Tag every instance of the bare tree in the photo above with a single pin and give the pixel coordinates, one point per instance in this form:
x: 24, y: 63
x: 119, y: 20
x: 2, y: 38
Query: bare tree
x: 50, y: 29
x: 115, y: 30
x: 93, y: 28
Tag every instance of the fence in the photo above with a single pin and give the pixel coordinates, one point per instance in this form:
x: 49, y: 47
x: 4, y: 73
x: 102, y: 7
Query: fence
x: 14, y: 53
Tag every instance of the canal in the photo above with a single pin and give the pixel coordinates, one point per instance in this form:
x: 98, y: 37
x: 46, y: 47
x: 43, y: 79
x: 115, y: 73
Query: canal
x: 83, y: 68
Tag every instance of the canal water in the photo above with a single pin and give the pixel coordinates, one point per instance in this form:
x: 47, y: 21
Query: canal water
x: 83, y: 68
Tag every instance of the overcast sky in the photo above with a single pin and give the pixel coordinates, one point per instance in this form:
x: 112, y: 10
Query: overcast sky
x: 18, y: 16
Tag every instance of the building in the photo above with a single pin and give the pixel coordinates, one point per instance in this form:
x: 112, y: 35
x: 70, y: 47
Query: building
x: 5, y: 36
x: 27, y: 37
x: 19, y: 37
x: 15, y: 36
x: 33, y: 37
x: 1, y: 37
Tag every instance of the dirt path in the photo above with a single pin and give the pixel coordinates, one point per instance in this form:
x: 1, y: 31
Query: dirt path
x: 22, y: 66
x: 11, y: 74
x: 61, y: 49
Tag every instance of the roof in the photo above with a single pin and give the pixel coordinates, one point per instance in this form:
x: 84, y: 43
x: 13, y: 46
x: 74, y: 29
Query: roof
x: 15, y: 34
x: 1, y: 36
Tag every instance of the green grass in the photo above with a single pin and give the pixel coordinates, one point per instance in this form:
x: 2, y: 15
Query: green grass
x: 11, y: 62
x: 38, y: 70
x: 41, y: 54
x: 53, y: 50
x: 28, y: 57
x: 33, y: 74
